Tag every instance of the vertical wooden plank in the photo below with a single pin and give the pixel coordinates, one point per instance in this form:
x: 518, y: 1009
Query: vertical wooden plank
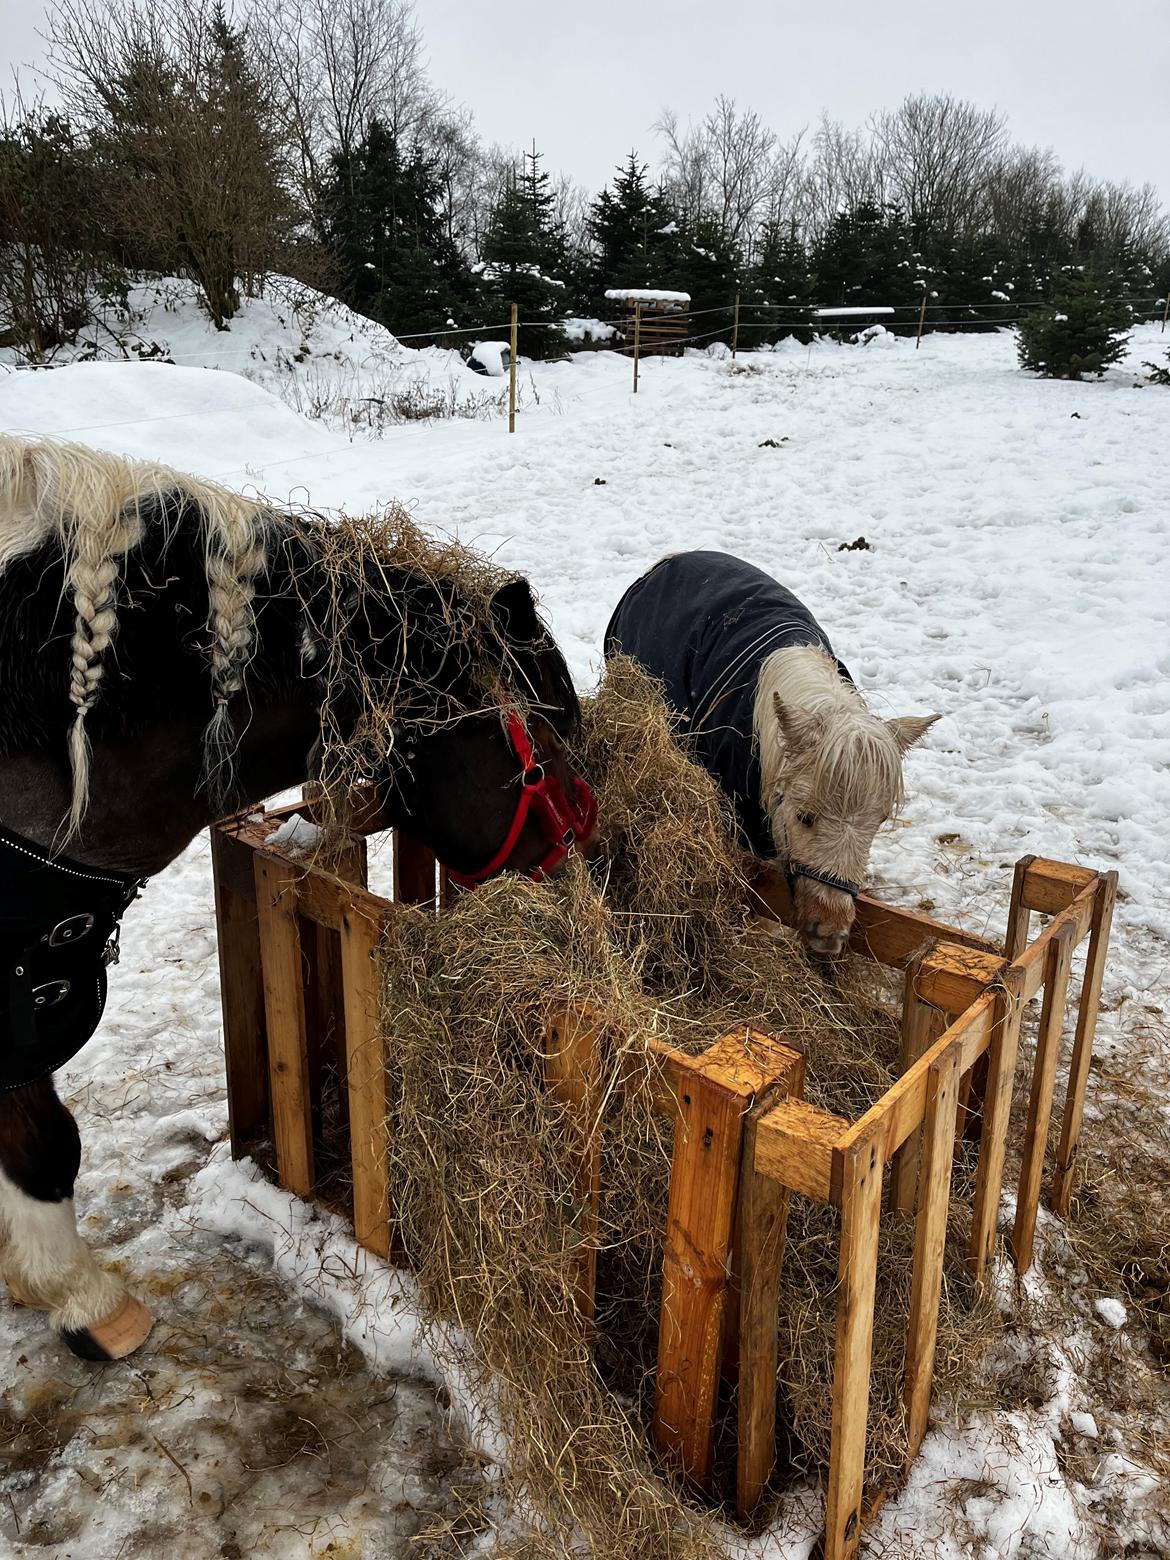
x: 327, y: 1017
x: 359, y: 936
x: 861, y: 1208
x: 921, y: 1027
x: 1019, y: 916
x: 1001, y: 1071
x: 704, y: 1183
x: 571, y: 1064
x: 760, y: 1228
x: 245, y: 1042
x: 1082, y: 1054
x: 938, y: 1150
x: 284, y: 1007
x: 414, y: 871
x: 1057, y: 968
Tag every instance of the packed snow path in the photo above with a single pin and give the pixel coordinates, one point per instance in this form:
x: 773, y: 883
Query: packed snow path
x: 1014, y: 577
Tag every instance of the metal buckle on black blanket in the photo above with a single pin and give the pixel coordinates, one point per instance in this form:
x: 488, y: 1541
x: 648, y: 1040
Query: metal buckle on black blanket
x: 71, y: 930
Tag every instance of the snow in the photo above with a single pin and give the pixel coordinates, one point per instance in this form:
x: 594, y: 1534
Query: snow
x: 646, y: 295
x: 492, y: 356
x: 852, y: 312
x: 296, y: 836
x: 1015, y: 582
x: 1111, y: 1311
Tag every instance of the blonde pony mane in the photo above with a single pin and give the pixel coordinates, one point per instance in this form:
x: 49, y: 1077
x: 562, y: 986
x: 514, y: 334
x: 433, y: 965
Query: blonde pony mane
x: 91, y: 505
x: 853, y: 764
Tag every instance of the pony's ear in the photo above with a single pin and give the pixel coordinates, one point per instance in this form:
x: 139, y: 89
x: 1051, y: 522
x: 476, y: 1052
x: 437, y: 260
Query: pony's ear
x: 514, y: 613
x: 800, y: 731
x: 908, y: 728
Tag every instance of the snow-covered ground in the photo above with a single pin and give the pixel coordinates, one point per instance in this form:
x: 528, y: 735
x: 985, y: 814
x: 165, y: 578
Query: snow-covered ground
x: 1015, y: 576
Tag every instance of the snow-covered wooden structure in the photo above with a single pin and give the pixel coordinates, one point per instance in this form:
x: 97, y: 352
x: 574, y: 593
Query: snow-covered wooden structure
x: 660, y: 318
x: 297, y: 947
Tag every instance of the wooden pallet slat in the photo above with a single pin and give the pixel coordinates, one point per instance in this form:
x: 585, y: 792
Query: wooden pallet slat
x: 245, y: 1044
x: 1087, y: 1011
x: 1002, y: 1051
x: 571, y: 1071
x: 284, y: 1008
x: 366, y: 1079
x: 761, y: 1226
x: 861, y: 1211
x: 938, y: 1141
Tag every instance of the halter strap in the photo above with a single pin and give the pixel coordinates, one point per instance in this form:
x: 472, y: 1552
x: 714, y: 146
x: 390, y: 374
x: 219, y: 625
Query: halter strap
x: 562, y: 820
x: 798, y: 869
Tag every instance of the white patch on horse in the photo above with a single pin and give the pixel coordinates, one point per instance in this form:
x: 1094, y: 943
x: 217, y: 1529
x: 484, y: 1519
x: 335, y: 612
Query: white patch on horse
x: 46, y: 1264
x: 91, y: 504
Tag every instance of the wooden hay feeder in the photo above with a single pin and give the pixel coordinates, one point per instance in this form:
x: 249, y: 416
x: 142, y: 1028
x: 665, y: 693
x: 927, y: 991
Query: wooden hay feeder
x: 300, y: 986
x: 659, y: 321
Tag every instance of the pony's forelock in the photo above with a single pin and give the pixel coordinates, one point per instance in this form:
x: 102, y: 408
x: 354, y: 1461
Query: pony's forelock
x: 853, y: 766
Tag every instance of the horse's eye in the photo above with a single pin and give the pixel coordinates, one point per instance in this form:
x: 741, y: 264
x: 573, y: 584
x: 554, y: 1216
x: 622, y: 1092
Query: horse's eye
x: 806, y: 820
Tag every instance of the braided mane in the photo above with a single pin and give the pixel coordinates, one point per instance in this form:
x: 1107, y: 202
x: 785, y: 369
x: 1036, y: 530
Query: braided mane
x: 91, y: 506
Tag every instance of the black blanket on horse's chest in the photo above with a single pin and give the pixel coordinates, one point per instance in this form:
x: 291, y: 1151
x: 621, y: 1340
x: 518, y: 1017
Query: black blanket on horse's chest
x: 58, y: 920
x: 704, y: 623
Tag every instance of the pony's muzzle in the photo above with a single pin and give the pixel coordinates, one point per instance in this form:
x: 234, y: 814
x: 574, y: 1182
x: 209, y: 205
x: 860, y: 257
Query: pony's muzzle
x: 824, y: 917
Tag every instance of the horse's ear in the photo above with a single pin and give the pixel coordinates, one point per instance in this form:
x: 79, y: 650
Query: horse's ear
x: 800, y: 730
x: 908, y: 728
x: 514, y: 613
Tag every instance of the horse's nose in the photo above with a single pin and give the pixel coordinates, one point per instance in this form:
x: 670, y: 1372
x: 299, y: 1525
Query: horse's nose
x: 829, y: 943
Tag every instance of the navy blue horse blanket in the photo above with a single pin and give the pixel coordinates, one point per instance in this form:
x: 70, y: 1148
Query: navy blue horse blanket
x: 704, y: 623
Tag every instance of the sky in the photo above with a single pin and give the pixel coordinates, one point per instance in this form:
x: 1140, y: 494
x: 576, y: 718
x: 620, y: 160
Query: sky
x: 590, y: 79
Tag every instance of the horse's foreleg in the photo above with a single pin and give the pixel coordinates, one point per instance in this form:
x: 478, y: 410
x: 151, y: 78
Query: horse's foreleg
x: 43, y: 1260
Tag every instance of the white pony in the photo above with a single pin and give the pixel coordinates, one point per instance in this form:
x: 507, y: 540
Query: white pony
x: 773, y: 715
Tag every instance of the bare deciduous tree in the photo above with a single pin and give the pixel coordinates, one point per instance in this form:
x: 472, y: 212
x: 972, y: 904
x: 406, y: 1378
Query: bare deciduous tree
x: 935, y: 152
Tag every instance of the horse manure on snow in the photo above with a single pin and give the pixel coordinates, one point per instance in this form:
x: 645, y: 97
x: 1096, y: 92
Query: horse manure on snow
x: 653, y: 939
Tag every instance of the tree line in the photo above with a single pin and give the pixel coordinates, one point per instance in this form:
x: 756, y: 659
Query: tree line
x: 306, y: 137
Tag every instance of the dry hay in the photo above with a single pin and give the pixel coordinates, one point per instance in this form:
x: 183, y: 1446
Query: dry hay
x: 385, y: 599
x: 651, y: 939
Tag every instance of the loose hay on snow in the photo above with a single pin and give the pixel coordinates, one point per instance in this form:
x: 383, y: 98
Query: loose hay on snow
x: 653, y: 938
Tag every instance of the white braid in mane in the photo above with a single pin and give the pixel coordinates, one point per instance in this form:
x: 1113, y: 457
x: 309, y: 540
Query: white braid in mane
x: 92, y: 505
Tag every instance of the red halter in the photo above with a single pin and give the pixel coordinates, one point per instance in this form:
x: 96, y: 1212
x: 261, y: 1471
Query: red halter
x: 562, y: 821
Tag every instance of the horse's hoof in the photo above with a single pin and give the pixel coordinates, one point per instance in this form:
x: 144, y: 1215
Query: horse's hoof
x: 116, y: 1336
x: 19, y: 1297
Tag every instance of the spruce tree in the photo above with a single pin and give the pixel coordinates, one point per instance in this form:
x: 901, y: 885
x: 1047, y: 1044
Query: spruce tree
x: 866, y: 256
x: 519, y: 249
x: 384, y: 230
x: 779, y: 287
x: 634, y: 231
x: 1081, y: 332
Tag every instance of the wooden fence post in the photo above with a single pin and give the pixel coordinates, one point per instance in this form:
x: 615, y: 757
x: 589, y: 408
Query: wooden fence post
x: 637, y: 341
x: 921, y: 319
x: 512, y: 373
x: 735, y: 329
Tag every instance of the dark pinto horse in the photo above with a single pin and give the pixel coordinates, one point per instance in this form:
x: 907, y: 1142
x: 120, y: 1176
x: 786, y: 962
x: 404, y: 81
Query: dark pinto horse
x: 169, y: 651
x: 775, y: 717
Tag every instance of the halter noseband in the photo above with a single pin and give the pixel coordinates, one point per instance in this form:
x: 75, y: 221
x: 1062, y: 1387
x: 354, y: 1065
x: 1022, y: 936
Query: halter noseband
x: 797, y: 869
x: 563, y: 821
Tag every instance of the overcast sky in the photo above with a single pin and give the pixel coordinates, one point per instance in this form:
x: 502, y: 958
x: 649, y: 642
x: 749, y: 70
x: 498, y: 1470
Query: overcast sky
x: 589, y: 79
